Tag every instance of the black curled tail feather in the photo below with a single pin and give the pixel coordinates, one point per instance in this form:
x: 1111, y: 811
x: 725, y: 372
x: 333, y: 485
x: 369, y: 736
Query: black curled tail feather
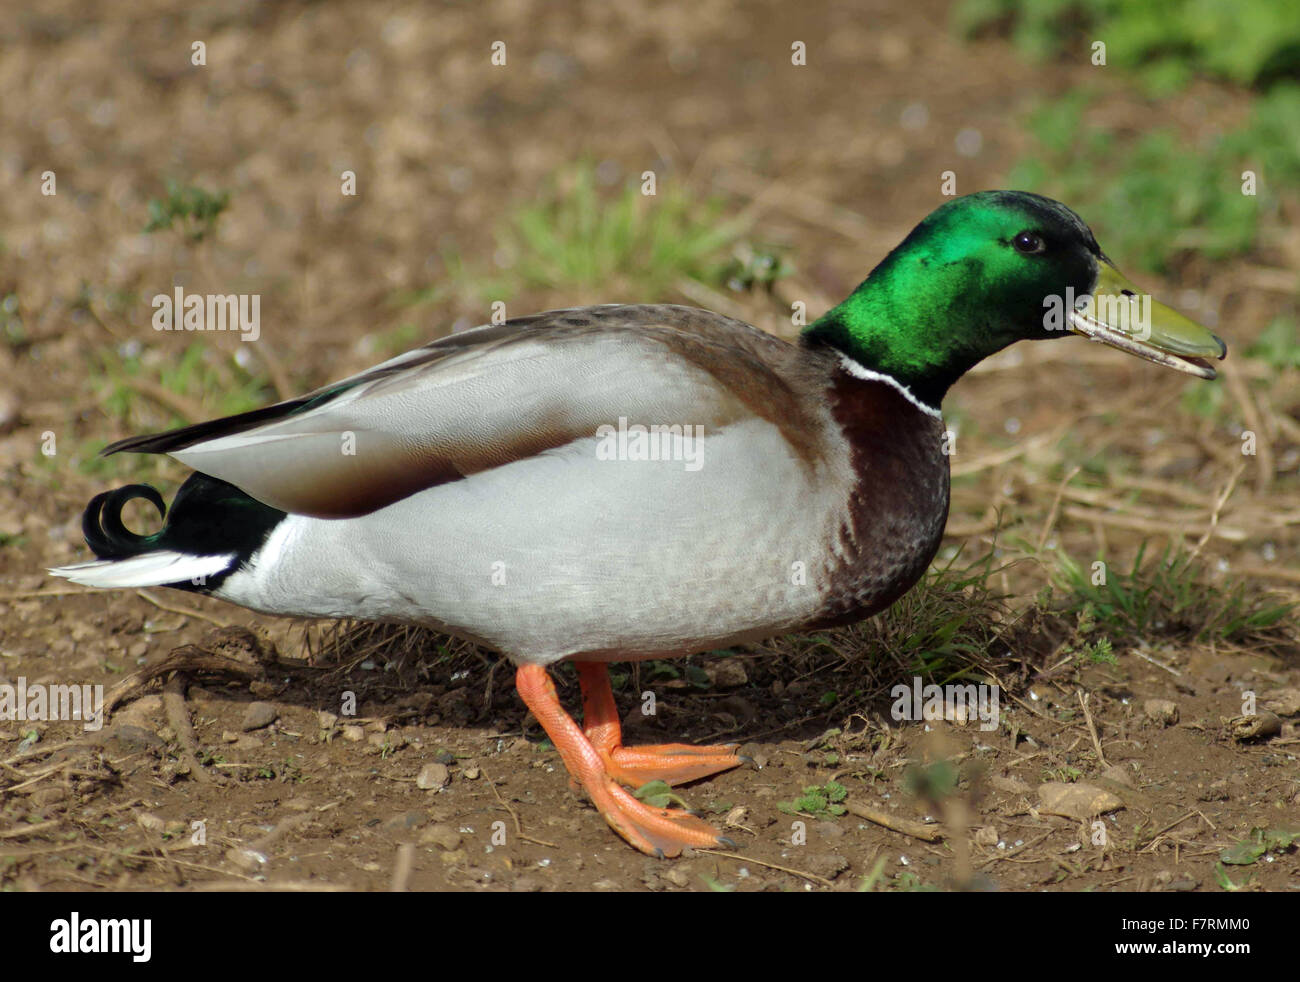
x: 102, y: 526
x: 207, y: 517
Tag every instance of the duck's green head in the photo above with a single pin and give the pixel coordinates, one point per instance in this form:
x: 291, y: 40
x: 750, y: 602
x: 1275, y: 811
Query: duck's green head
x: 989, y: 269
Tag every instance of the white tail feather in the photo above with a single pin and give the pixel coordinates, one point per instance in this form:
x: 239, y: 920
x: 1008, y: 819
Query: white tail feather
x: 146, y: 569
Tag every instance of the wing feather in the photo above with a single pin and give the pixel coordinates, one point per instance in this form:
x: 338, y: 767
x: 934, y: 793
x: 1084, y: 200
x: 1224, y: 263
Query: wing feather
x: 484, y: 398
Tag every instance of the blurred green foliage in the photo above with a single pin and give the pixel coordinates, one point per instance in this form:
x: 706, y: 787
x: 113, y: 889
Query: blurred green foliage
x: 582, y: 233
x: 1190, y: 198
x: 202, y: 376
x: 578, y: 235
x: 1167, y: 42
x: 193, y: 208
x: 1276, y: 345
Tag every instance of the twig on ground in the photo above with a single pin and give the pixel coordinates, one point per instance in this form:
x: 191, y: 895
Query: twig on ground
x: 514, y: 815
x: 189, y: 659
x: 1092, y: 727
x: 1050, y: 522
x: 178, y: 715
x: 758, y: 862
x: 183, y: 611
x: 927, y: 832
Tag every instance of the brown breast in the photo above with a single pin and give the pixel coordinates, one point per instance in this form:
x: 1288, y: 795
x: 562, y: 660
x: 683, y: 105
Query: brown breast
x: 899, y: 504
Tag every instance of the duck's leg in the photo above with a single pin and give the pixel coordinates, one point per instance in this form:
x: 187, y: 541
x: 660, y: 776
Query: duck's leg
x: 655, y: 831
x: 672, y: 763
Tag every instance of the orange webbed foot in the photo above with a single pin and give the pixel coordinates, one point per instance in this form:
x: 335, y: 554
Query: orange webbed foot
x: 654, y: 831
x: 672, y: 763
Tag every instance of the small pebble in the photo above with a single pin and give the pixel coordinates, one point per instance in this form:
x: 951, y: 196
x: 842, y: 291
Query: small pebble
x: 1162, y: 711
x: 828, y: 830
x: 259, y: 715
x: 443, y: 836
x: 1120, y: 774
x: 677, y: 877
x: 727, y: 673
x: 404, y: 821
x: 433, y: 776
x: 737, y: 816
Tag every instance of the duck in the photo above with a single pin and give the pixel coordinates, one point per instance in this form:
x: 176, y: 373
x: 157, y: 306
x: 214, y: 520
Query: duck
x: 632, y: 481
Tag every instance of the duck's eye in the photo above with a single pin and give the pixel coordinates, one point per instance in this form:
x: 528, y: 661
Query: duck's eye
x: 1028, y: 243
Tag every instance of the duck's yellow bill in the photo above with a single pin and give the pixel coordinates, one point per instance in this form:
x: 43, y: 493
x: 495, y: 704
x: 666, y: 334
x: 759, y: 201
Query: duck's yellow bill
x: 1120, y: 315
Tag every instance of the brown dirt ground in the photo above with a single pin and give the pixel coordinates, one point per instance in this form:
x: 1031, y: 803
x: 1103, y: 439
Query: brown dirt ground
x: 444, y: 144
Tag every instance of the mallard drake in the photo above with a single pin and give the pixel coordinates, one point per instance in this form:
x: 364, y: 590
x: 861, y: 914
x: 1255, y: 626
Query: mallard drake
x: 632, y: 481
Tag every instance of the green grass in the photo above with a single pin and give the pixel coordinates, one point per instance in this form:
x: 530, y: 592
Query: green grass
x: 201, y: 374
x: 577, y: 236
x: 931, y: 782
x: 1168, y: 597
x: 953, y: 624
x: 192, y: 209
x: 1164, y: 42
x: 943, y: 627
x: 400, y: 339
x: 630, y: 246
x: 1226, y: 883
x: 1065, y: 774
x: 1260, y: 843
x: 908, y: 882
x: 208, y: 379
x: 1190, y: 198
x: 1275, y: 346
